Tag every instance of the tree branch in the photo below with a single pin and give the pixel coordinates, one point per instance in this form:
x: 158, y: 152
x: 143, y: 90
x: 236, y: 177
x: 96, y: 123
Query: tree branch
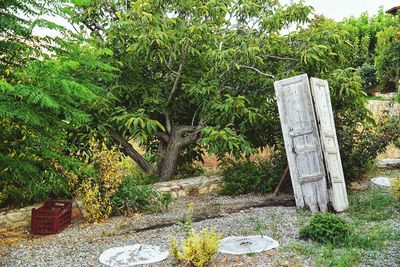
x: 163, y: 136
x: 131, y: 152
x: 257, y: 70
x: 185, y: 129
x: 176, y: 82
x: 188, y: 140
x: 281, y: 58
x: 178, y: 74
x: 167, y: 122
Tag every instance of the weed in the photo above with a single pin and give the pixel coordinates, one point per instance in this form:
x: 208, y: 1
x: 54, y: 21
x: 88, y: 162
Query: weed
x: 396, y: 188
x: 258, y: 224
x: 372, y: 205
x: 197, y: 249
x: 326, y: 228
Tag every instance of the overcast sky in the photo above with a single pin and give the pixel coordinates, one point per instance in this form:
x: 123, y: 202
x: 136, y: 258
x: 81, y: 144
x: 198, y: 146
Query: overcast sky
x: 338, y: 9
x: 335, y: 9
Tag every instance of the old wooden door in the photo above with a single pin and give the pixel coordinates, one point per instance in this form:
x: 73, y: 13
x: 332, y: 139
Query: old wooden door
x: 330, y: 147
x: 302, y: 142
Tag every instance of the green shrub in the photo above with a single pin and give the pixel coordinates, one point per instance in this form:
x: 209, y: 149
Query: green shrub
x: 396, y: 188
x: 360, y: 138
x: 247, y: 177
x: 326, y: 228
x: 133, y: 196
x: 368, y: 75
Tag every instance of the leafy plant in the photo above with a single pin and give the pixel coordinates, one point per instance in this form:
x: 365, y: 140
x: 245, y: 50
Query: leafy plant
x: 246, y: 177
x: 97, y: 191
x: 37, y: 115
x: 368, y: 75
x: 396, y: 188
x: 326, y: 228
x: 134, y: 196
x: 388, y: 58
x: 197, y: 249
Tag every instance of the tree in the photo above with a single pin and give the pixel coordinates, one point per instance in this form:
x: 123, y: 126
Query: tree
x: 45, y: 84
x: 388, y: 58
x: 194, y: 73
x: 36, y: 114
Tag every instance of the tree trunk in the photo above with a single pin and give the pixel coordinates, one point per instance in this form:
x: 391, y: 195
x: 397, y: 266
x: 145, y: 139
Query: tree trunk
x: 171, y: 145
x: 166, y: 165
x: 178, y: 140
x: 131, y: 152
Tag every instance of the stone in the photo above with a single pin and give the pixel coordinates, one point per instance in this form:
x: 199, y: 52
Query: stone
x: 182, y: 193
x: 20, y: 224
x: 389, y: 163
x: 163, y: 189
x: 136, y: 254
x: 381, y: 181
x: 215, y: 187
x: 237, y: 245
x: 16, y: 216
x: 194, y: 191
x: 76, y: 213
x: 203, y: 190
x: 3, y: 220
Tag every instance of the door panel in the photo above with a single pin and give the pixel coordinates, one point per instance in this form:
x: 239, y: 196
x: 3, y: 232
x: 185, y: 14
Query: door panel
x: 302, y: 142
x: 330, y: 147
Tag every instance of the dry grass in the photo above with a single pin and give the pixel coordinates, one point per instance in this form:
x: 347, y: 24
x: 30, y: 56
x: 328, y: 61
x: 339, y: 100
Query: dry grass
x: 391, y: 152
x: 212, y: 162
x: 9, y: 237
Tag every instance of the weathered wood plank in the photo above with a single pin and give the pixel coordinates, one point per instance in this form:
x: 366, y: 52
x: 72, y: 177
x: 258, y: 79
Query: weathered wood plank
x: 302, y: 142
x: 330, y: 147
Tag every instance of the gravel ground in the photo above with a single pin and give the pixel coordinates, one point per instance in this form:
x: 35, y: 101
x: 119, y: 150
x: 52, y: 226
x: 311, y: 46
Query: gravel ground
x: 82, y: 244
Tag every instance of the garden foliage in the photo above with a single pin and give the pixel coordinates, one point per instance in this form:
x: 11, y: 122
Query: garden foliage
x: 133, y: 196
x: 326, y: 228
x: 252, y: 177
x: 198, y: 249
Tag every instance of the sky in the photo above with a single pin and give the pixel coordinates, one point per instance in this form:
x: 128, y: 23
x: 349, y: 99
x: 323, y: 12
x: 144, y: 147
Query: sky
x: 335, y: 9
x: 339, y: 9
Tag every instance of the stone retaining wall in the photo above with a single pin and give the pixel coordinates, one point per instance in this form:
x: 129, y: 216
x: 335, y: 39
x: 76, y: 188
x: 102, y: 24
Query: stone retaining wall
x: 186, y: 187
x: 22, y: 217
x: 190, y: 186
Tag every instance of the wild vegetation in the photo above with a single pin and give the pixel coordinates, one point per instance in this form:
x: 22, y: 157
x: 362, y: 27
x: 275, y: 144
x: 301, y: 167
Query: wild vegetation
x: 163, y: 83
x: 195, y: 249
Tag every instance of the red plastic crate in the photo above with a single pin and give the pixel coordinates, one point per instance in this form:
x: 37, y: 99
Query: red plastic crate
x: 51, y: 218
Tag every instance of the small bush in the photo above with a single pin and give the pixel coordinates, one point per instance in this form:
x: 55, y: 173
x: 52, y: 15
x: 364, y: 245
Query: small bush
x: 326, y: 228
x: 368, y: 75
x: 133, y: 196
x: 197, y: 249
x: 396, y: 189
x: 250, y: 177
x: 96, y: 191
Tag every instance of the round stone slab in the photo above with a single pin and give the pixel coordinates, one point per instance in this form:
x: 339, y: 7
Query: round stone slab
x: 247, y: 244
x: 381, y: 181
x: 132, y: 255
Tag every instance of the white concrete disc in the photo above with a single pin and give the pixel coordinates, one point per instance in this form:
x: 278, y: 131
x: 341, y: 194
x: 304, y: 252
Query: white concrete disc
x: 132, y: 255
x: 381, y: 181
x: 247, y: 244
